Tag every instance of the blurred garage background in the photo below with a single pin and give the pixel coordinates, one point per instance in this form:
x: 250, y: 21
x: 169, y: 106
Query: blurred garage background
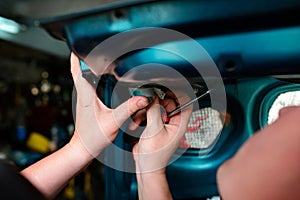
x: 36, y: 89
x: 36, y: 84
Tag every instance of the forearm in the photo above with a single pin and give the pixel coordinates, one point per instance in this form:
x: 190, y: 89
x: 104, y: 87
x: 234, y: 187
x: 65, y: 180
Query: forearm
x: 153, y: 185
x: 52, y: 173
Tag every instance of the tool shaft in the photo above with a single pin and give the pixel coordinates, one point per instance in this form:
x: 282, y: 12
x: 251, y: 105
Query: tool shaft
x: 177, y: 110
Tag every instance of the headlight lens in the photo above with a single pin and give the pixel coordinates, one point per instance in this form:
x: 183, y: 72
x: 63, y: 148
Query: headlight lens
x: 203, y: 129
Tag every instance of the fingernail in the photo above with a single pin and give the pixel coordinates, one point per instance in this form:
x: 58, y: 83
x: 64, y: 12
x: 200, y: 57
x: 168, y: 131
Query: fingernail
x: 142, y: 103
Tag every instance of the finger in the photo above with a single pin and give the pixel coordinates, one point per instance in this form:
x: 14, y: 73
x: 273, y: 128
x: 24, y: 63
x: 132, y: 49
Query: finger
x: 75, y: 66
x: 180, y: 121
x: 154, y: 118
x: 184, y: 113
x: 86, y: 94
x: 169, y: 105
x: 128, y: 108
x: 182, y: 118
x: 137, y: 119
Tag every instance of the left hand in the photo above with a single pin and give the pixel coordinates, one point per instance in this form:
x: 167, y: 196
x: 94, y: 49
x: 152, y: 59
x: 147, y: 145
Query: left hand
x: 96, y: 125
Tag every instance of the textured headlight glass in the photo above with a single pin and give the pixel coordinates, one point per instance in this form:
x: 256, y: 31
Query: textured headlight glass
x: 203, y: 129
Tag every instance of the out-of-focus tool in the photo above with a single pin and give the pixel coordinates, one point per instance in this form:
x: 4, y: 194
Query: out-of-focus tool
x: 177, y: 110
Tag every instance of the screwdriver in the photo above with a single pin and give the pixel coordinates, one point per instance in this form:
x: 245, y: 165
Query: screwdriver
x: 178, y: 109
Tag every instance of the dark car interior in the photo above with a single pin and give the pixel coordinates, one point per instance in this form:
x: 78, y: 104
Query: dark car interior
x: 253, y: 44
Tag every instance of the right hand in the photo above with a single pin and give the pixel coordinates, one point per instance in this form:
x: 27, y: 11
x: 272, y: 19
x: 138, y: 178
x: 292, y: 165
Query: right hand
x: 159, y: 140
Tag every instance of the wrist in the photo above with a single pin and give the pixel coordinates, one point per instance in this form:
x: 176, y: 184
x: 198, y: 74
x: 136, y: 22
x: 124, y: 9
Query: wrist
x: 78, y: 148
x: 142, y: 168
x: 150, y: 177
x: 151, y: 165
x: 143, y: 174
x: 153, y: 185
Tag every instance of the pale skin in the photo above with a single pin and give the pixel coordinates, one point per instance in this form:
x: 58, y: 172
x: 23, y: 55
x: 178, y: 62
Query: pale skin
x: 96, y: 127
x: 267, y: 166
x: 155, y: 147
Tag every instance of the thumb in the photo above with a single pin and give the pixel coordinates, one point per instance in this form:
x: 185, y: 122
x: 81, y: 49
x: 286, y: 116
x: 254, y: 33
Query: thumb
x: 75, y: 66
x: 128, y: 108
x: 86, y: 93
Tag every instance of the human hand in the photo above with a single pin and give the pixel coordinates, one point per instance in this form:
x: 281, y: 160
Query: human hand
x: 269, y: 160
x: 96, y: 125
x: 159, y: 140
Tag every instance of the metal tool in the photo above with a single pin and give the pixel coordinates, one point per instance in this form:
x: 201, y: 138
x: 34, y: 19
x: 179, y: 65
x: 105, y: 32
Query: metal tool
x: 177, y: 110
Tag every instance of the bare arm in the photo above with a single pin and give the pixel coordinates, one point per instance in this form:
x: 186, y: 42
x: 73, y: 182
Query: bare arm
x: 154, y: 149
x: 52, y: 173
x: 96, y: 126
x: 153, y: 185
